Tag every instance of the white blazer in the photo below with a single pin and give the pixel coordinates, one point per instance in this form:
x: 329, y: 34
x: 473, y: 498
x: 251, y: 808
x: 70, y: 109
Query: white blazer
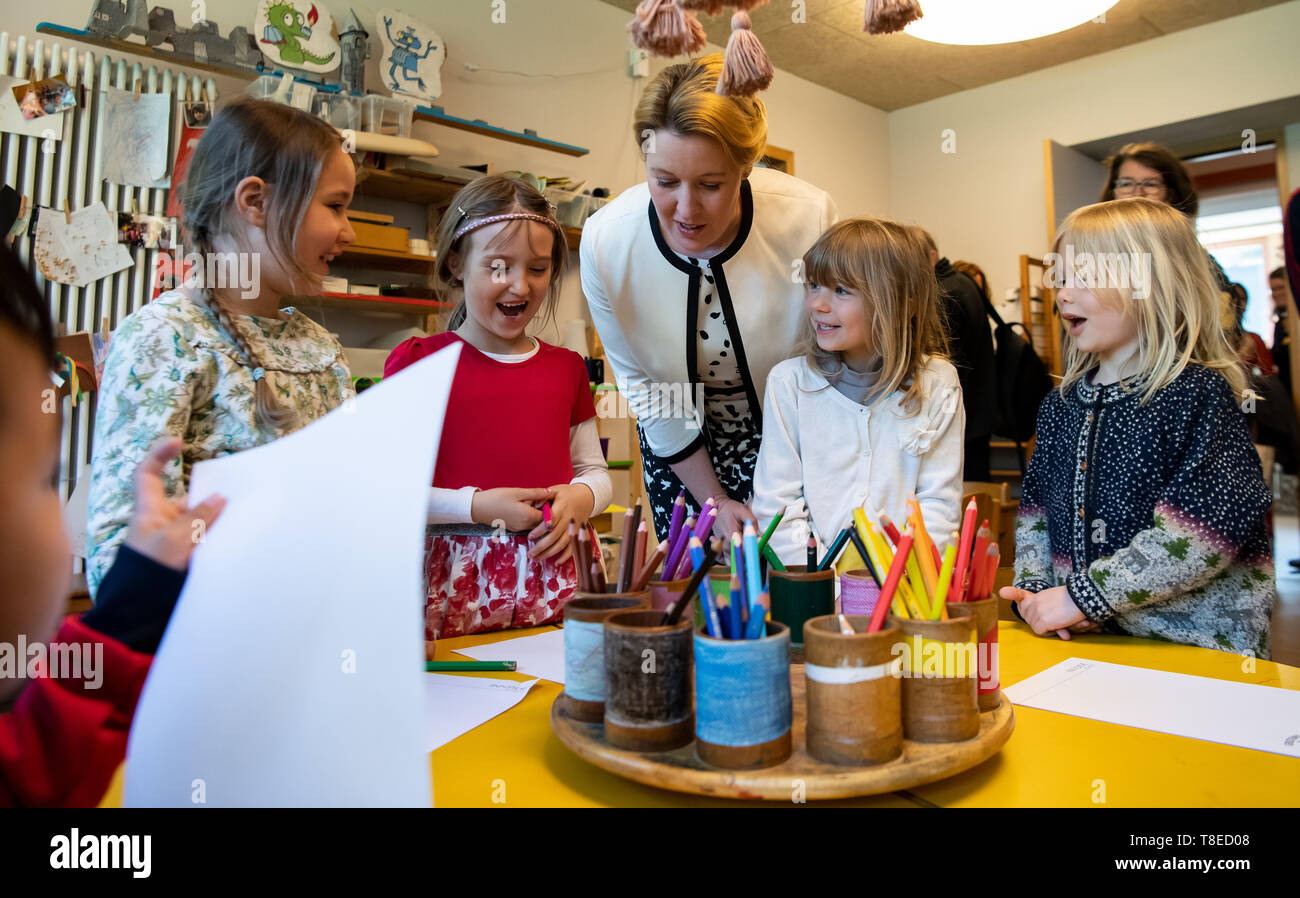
x: 644, y: 297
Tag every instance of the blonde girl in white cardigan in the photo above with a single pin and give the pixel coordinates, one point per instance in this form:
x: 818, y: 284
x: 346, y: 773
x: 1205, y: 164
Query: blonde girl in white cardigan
x: 871, y: 411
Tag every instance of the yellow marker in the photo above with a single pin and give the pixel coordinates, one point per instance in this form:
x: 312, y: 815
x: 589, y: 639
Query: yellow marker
x: 945, y: 580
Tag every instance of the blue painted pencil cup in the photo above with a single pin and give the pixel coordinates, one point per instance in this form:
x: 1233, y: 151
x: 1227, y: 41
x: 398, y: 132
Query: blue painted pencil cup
x: 743, y: 711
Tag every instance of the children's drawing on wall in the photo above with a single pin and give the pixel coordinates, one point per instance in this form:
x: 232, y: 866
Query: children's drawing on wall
x: 299, y: 34
x: 133, y: 142
x: 413, y: 53
x: 78, y: 248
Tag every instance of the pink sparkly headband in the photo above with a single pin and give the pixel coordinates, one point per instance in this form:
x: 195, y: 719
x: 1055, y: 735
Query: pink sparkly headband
x: 505, y: 216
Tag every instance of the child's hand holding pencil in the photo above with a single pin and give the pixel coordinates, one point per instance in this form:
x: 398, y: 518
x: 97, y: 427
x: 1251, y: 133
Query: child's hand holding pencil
x: 569, y: 503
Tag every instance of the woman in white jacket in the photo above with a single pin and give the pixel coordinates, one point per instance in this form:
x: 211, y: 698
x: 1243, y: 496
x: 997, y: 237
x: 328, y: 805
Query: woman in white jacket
x: 694, y: 286
x: 871, y: 411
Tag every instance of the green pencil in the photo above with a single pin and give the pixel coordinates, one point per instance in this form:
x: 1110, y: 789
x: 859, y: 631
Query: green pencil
x: 469, y: 665
x: 771, y: 528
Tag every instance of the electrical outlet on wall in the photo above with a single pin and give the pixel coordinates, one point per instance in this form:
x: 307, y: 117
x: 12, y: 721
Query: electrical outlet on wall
x: 638, y: 63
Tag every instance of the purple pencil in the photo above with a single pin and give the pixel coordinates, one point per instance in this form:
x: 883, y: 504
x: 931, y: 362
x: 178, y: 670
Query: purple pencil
x: 679, y: 515
x: 705, y: 527
x: 706, y: 516
x: 677, y: 549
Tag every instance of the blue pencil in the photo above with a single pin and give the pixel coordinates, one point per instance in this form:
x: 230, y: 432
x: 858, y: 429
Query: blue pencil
x: 740, y: 608
x: 752, y: 582
x: 757, y: 628
x: 723, y: 602
x: 706, y: 597
x: 738, y: 627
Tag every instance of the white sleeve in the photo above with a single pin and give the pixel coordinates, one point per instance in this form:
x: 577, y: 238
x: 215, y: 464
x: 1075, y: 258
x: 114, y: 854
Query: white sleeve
x: 778, y: 474
x: 939, y: 476
x: 667, y: 430
x: 589, y: 466
x: 451, y: 506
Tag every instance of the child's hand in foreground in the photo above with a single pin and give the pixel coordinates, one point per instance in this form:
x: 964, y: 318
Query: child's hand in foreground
x: 571, y: 503
x: 167, y: 530
x: 511, y: 505
x: 1051, y: 609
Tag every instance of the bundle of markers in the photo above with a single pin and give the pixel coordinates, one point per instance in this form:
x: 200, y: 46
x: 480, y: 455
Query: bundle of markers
x: 916, y: 579
x: 739, y: 613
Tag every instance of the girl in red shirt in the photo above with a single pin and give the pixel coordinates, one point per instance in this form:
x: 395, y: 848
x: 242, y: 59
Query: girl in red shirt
x: 520, y: 429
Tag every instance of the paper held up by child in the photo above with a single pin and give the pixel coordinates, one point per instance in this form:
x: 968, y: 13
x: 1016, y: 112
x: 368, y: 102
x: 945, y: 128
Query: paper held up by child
x: 541, y: 655
x: 291, y: 673
x: 454, y: 705
x: 1263, y: 718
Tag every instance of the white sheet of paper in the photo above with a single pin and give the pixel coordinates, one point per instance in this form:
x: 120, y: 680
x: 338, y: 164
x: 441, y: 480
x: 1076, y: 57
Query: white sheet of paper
x: 11, y: 117
x: 291, y: 672
x: 82, y: 252
x: 1264, y: 718
x: 455, y: 705
x: 135, y: 138
x: 538, y: 656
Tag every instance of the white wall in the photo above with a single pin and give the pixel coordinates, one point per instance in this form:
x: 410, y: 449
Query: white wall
x: 986, y: 202
x: 575, y: 89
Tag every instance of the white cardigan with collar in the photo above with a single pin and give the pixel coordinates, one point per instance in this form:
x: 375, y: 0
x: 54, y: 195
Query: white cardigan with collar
x: 643, y: 297
x: 822, y: 452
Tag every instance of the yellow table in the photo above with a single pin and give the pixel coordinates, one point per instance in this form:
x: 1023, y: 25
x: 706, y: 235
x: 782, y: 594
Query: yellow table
x: 1052, y: 759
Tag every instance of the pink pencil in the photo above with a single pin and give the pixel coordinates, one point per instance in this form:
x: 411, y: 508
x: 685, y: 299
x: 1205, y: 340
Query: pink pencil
x: 963, y: 552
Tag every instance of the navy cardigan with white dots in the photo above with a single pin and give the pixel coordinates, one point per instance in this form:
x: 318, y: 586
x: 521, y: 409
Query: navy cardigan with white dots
x: 1154, y: 516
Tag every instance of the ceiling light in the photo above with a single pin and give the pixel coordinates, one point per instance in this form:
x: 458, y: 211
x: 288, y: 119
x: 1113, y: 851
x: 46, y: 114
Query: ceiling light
x: 1001, y: 21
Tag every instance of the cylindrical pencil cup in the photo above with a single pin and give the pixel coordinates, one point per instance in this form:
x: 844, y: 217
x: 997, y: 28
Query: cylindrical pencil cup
x: 985, y: 613
x: 858, y: 593
x: 798, y: 596
x: 584, y: 650
x: 854, y: 692
x: 664, y: 592
x: 939, y: 677
x: 648, y: 682
x: 743, y: 711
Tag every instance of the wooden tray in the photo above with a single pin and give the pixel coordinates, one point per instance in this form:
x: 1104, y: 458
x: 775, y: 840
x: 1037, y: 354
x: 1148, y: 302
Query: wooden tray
x: 682, y: 771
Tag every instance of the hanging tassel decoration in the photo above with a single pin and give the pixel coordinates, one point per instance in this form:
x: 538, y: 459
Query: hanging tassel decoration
x: 665, y: 29
x: 745, y: 67
x: 888, y: 16
x: 708, y: 7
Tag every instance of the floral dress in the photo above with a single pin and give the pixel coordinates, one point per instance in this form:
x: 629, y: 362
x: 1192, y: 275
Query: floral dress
x: 174, y: 371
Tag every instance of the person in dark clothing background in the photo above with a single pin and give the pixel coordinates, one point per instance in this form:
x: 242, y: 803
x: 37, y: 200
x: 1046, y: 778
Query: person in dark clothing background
x: 970, y: 348
x: 1281, y: 339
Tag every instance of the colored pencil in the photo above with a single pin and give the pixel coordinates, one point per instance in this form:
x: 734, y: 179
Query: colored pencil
x: 915, y: 580
x: 648, y: 569
x: 622, y: 575
x: 772, y: 558
x: 639, y: 542
x: 679, y: 515
x: 812, y: 554
x: 676, y: 549
x: 945, y: 579
x: 771, y: 528
x: 922, y: 547
x: 837, y: 546
x: 978, y: 552
x: 890, y: 529
x: 738, y: 571
x: 964, y: 545
x: 864, y: 554
x: 546, y: 513
x: 723, y: 603
x: 674, y: 613
x: 846, y: 628
x: 753, y: 584
x: 706, y: 596
x: 757, y: 625
x: 703, y: 524
x: 702, y: 516
x: 469, y: 665
x: 891, y: 582
x: 583, y: 558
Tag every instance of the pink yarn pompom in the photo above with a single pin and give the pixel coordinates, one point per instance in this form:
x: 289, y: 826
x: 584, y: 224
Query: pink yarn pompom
x: 665, y: 29
x: 745, y: 67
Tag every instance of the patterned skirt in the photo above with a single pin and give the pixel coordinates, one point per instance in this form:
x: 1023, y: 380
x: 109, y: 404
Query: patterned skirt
x: 732, y: 440
x: 476, y: 582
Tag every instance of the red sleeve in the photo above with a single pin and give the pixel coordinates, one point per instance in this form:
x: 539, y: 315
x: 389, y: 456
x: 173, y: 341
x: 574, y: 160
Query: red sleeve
x: 583, y: 407
x: 65, y: 738
x: 408, y: 352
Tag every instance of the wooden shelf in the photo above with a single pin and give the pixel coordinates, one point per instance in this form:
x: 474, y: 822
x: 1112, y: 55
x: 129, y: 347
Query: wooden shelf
x: 386, y: 259
x: 435, y: 114
x: 367, y: 303
x: 407, y: 186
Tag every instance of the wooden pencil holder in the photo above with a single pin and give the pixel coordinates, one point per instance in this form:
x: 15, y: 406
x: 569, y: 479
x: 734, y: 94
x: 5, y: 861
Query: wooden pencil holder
x: 798, y: 596
x: 939, y: 678
x: 854, y: 692
x: 664, y: 592
x: 584, y: 650
x: 744, y: 712
x: 648, y: 701
x: 858, y: 593
x: 985, y: 613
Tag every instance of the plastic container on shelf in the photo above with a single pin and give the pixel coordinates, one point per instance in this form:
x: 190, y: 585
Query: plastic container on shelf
x: 386, y: 115
x: 340, y: 110
x: 283, y: 89
x: 571, y: 209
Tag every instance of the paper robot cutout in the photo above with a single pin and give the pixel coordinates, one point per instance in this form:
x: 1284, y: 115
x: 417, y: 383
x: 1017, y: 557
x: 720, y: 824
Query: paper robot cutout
x: 412, y: 56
